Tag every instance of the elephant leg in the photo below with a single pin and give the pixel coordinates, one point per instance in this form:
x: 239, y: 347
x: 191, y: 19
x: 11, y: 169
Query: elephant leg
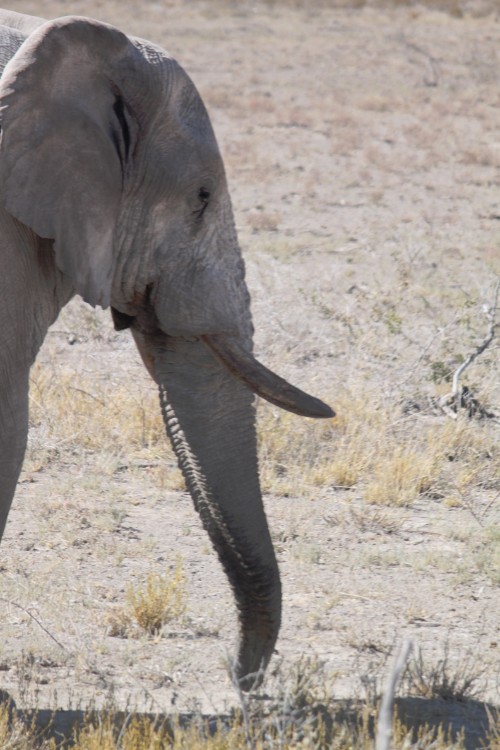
x: 13, y: 434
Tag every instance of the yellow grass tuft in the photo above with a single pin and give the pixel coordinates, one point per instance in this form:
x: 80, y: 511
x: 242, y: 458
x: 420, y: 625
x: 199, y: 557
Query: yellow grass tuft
x: 160, y: 599
x: 299, y: 455
x: 110, y: 422
x: 140, y: 734
x: 402, y: 474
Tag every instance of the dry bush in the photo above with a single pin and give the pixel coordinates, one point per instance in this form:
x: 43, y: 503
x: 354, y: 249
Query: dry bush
x: 441, y: 680
x: 160, y: 599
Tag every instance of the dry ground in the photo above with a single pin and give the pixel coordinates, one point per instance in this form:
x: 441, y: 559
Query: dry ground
x: 363, y: 152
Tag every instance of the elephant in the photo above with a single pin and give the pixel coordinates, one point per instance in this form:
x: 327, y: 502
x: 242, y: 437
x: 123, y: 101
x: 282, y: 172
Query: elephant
x: 112, y: 187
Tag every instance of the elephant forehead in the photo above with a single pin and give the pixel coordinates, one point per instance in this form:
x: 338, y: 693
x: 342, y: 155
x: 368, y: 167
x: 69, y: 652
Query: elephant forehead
x: 185, y: 126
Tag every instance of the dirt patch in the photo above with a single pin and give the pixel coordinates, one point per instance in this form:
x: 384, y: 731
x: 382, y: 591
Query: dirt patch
x: 362, y: 151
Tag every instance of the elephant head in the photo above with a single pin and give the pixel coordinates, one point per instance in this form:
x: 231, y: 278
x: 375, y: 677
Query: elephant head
x: 108, y: 151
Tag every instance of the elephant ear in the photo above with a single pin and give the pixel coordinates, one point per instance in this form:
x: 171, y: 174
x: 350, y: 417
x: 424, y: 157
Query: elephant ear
x: 66, y: 134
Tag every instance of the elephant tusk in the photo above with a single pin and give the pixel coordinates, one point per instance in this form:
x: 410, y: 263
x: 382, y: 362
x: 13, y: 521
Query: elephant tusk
x: 262, y: 381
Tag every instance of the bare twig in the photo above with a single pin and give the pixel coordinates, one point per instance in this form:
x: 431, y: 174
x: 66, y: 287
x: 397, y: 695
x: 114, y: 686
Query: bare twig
x: 461, y: 396
x: 479, y: 517
x: 356, y: 596
x: 440, y: 332
x: 491, y: 313
x: 30, y: 614
x: 433, y: 78
x: 86, y: 393
x: 384, y: 723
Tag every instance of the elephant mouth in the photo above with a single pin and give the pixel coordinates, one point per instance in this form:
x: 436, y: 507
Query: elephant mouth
x: 262, y: 381
x: 235, y: 359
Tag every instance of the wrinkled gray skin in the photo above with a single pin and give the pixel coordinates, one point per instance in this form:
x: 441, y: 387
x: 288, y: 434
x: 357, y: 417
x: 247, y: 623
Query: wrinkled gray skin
x: 112, y: 187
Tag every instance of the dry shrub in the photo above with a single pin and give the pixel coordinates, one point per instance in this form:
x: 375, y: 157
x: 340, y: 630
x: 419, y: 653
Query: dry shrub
x: 160, y: 599
x: 442, y: 680
x: 393, y: 458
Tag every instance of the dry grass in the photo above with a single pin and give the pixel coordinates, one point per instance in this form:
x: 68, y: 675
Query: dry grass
x: 151, y: 604
x: 264, y: 221
x: 392, y: 458
x: 298, y: 713
x: 96, y: 415
x: 160, y: 599
x: 16, y: 735
x: 455, y: 8
x: 110, y: 426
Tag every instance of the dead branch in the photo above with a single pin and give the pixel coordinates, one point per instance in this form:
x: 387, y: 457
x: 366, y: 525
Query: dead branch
x: 480, y: 349
x: 460, y: 396
x: 434, y: 70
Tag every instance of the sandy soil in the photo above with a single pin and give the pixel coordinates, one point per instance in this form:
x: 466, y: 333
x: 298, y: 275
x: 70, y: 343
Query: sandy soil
x: 362, y: 150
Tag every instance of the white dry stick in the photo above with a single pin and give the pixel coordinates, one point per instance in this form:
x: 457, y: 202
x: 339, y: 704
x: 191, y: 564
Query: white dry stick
x: 492, y: 314
x: 453, y: 398
x: 384, y: 723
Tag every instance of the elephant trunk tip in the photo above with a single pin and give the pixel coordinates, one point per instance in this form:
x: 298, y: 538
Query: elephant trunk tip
x: 257, y: 642
x: 248, y: 682
x: 247, y: 672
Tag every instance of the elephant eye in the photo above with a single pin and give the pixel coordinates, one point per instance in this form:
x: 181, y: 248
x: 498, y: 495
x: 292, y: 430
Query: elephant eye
x: 203, y: 197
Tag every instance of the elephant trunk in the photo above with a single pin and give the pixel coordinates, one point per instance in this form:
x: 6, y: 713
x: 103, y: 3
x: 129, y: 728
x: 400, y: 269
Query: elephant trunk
x: 210, y: 419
